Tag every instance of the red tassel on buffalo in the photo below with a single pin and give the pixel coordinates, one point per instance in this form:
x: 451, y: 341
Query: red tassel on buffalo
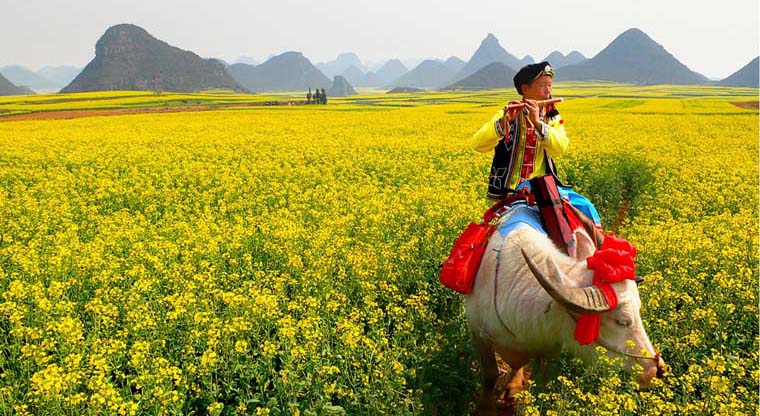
x: 587, y: 328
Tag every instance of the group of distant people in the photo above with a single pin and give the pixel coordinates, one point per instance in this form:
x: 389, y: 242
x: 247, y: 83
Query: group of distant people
x: 319, y: 96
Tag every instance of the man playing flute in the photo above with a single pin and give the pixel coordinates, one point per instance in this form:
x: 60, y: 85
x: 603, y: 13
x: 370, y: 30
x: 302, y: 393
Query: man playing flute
x: 527, y: 137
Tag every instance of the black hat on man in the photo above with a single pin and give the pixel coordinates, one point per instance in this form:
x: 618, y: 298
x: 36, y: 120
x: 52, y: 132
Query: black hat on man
x: 528, y: 73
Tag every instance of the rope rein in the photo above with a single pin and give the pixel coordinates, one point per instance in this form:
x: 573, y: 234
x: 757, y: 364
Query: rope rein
x: 656, y: 356
x: 496, y: 291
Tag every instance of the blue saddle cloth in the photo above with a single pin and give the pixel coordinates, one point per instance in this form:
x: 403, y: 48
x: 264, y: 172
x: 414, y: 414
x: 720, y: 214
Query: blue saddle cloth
x: 577, y: 200
x: 519, y: 214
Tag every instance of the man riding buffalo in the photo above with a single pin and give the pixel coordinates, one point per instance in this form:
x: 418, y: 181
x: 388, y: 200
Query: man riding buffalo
x: 525, y: 136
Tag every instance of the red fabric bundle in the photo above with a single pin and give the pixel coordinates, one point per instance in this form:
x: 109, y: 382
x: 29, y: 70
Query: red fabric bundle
x: 613, y: 262
x: 459, y: 271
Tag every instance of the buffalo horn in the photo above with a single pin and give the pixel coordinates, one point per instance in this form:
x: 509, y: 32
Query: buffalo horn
x: 577, y: 299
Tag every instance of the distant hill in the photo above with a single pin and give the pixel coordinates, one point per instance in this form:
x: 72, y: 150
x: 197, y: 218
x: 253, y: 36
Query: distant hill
x: 574, y: 57
x: 455, y: 64
x: 373, y: 66
x: 402, y: 90
x: 633, y: 57
x: 489, y: 51
x: 220, y: 60
x: 370, y: 79
x: 243, y: 59
x: 493, y: 75
x: 22, y: 76
x: 353, y: 75
x: 7, y: 87
x: 340, y: 64
x: 60, y: 75
x: 526, y: 60
x: 413, y: 62
x: 340, y: 88
x: 390, y: 71
x: 558, y: 59
x: 290, y: 71
x: 129, y: 58
x: 747, y: 76
x: 428, y: 74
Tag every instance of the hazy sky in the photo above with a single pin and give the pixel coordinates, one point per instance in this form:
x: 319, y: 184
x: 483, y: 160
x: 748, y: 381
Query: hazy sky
x: 714, y: 38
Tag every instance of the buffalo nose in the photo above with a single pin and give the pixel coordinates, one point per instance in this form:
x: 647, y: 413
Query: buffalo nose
x: 660, y: 368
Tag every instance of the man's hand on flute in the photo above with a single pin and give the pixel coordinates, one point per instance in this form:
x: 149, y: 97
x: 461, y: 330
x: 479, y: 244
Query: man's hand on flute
x: 513, y: 108
x: 533, y: 112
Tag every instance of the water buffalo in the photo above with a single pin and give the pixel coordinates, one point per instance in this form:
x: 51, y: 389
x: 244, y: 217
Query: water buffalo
x: 525, y: 301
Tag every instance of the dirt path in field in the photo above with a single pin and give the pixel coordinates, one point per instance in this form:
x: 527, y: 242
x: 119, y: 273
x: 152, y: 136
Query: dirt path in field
x: 747, y: 104
x: 622, y: 213
x: 70, y: 114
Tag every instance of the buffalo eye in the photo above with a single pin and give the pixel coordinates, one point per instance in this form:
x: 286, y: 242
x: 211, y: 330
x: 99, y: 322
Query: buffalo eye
x: 623, y: 322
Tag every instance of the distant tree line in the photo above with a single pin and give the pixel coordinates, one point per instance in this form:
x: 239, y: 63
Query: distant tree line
x: 319, y: 96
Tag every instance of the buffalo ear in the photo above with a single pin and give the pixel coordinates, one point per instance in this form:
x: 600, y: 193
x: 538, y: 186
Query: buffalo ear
x: 639, y: 280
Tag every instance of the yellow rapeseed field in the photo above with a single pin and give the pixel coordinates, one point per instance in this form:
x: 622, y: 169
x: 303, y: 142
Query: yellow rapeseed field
x: 284, y: 260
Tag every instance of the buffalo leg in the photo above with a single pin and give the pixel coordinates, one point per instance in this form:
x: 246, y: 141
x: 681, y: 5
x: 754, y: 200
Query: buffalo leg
x: 489, y: 373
